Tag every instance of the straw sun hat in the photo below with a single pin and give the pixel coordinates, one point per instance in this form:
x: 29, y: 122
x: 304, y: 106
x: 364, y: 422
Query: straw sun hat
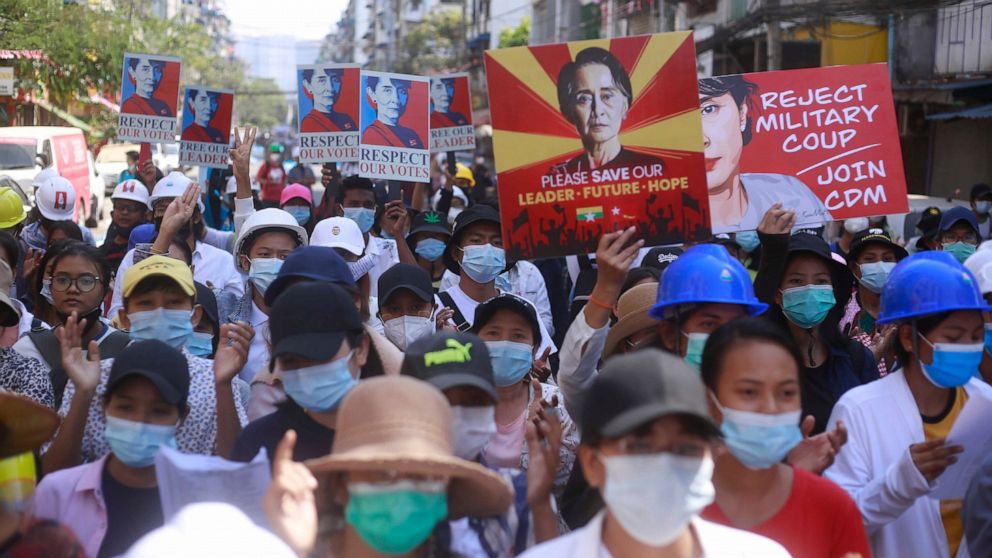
x: 632, y: 309
x: 24, y: 424
x: 402, y: 425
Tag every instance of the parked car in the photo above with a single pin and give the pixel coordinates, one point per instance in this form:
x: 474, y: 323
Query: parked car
x: 111, y: 161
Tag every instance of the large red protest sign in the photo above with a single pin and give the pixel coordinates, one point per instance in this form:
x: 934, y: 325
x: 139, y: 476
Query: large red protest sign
x: 395, y: 127
x: 328, y: 100
x: 821, y: 141
x: 149, y: 91
x: 594, y: 136
x: 206, y: 131
x: 451, y: 114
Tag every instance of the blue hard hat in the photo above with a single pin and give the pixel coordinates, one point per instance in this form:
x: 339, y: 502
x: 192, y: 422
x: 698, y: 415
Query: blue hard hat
x: 928, y: 283
x: 705, y: 274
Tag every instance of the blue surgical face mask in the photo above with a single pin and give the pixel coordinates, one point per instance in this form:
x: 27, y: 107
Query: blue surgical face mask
x: 960, y: 250
x: 758, y: 440
x: 873, y: 275
x: 983, y: 207
x: 200, y: 344
x: 299, y: 212
x: 511, y: 361
x: 483, y: 262
x: 988, y: 339
x: 808, y: 306
x: 362, y: 217
x: 430, y: 249
x: 263, y: 272
x: 136, y: 443
x: 695, y: 342
x: 747, y: 240
x: 46, y: 291
x: 320, y: 387
x: 172, y: 327
x: 953, y: 364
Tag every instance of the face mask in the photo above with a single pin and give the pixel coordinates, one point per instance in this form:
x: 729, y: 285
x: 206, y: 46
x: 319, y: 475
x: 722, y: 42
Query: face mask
x: 473, y: 427
x: 758, y: 440
x: 320, y: 388
x: 694, y: 349
x: 748, y: 240
x: 953, y: 364
x: 854, y: 226
x: 406, y: 329
x: 383, y: 233
x: 362, y: 217
x: 808, y: 306
x: 263, y: 272
x: 511, y: 361
x: 46, y: 291
x: 172, y: 327
x: 483, y: 263
x: 983, y: 207
x: 988, y: 339
x: 960, y: 250
x: 397, y: 517
x: 873, y: 275
x: 361, y: 267
x: 430, y: 249
x: 200, y: 344
x: 654, y: 496
x: 299, y: 212
x: 136, y: 443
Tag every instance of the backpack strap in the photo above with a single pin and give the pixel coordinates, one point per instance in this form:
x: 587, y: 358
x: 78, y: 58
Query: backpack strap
x: 460, y: 322
x: 48, y: 345
x: 113, y: 344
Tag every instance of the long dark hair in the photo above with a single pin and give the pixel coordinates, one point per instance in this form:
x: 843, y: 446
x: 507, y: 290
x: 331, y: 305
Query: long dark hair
x: 91, y: 253
x: 740, y: 89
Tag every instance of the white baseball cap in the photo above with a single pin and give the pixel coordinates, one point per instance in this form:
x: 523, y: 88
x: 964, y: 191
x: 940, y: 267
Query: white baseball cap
x: 42, y: 176
x: 133, y: 190
x: 270, y: 218
x: 172, y: 185
x: 56, y: 199
x: 338, y: 232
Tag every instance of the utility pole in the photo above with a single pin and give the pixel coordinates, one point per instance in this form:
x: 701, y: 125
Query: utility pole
x: 774, y: 36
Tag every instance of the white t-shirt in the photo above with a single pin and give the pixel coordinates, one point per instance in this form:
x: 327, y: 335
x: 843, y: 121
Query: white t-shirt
x: 258, y: 351
x: 467, y: 307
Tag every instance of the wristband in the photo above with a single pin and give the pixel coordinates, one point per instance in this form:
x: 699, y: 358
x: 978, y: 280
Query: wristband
x: 596, y: 302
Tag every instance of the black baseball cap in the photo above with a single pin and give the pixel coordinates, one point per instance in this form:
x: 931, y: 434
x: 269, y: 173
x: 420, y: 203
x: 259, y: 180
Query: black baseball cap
x: 311, y: 320
x: 208, y: 301
x: 406, y: 276
x: 451, y: 359
x: 476, y: 213
x: 980, y: 190
x: 506, y: 301
x: 159, y: 363
x: 929, y: 221
x: 315, y: 263
x: 636, y: 388
x: 429, y: 222
x: 660, y: 257
x: 873, y: 236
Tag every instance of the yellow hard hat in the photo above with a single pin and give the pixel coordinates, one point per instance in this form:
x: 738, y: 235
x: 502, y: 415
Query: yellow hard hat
x: 466, y: 173
x: 11, y: 210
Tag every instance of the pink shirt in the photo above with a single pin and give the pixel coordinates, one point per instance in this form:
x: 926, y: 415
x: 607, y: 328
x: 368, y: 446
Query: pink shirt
x: 74, y: 498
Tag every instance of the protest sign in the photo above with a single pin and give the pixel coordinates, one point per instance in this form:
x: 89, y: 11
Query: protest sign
x: 6, y: 81
x: 149, y: 90
x: 451, y: 114
x: 821, y: 141
x: 594, y: 136
x: 328, y: 97
x: 206, y: 130
x: 395, y: 127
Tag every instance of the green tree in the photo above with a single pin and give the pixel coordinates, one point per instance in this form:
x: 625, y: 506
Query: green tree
x: 259, y: 102
x: 517, y: 36
x: 431, y: 45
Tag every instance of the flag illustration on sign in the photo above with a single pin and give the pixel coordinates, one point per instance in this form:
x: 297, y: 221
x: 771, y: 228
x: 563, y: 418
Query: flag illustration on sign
x: 589, y: 213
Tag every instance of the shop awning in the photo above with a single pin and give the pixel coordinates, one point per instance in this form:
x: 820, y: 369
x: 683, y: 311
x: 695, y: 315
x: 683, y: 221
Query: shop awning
x: 981, y: 111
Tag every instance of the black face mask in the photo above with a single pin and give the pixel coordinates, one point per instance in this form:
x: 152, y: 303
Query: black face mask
x: 92, y: 317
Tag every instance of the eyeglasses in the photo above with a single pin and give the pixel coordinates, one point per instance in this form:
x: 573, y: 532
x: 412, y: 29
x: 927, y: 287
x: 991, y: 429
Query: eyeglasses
x: 129, y: 208
x: 85, y: 283
x: 950, y: 238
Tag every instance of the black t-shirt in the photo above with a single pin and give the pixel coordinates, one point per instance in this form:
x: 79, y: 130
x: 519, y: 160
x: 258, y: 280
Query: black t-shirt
x: 816, y: 395
x: 131, y: 514
x: 312, y: 438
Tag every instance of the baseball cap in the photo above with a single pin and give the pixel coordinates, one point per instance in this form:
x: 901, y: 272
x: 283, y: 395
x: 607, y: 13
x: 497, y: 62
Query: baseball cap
x: 476, y: 213
x: 142, y: 234
x: 295, y: 191
x: 660, y: 257
x: 873, y: 236
x: 450, y: 359
x: 159, y: 266
x: 635, y: 388
x: 429, y: 222
x: 56, y: 199
x: 162, y: 365
x: 315, y: 263
x: 506, y: 301
x: 956, y: 215
x: 929, y: 221
x: 208, y: 301
x: 406, y: 276
x: 339, y: 232
x: 6, y: 280
x: 171, y: 186
x: 311, y: 320
x: 980, y: 189
x: 132, y: 190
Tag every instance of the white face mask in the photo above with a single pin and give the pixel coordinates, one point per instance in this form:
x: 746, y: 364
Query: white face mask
x: 654, y: 496
x: 473, y: 427
x: 404, y: 330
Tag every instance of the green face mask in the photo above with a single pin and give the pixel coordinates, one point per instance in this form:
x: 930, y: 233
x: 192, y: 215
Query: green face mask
x: 808, y: 306
x: 397, y: 517
x: 960, y: 250
x: 694, y: 349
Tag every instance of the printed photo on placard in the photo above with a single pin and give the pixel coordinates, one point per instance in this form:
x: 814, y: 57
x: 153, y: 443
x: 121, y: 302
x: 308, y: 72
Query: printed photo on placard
x: 206, y: 131
x: 451, y: 114
x: 149, y: 91
x: 394, y: 127
x: 328, y: 98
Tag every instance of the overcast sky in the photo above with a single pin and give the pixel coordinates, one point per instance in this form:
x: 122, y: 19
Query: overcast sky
x: 303, y: 19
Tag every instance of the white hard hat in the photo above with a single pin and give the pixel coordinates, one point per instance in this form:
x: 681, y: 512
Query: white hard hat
x: 56, y: 199
x: 133, y: 190
x: 42, y: 176
x: 172, y: 185
x: 979, y: 266
x: 339, y: 232
x: 232, y: 186
x: 270, y: 218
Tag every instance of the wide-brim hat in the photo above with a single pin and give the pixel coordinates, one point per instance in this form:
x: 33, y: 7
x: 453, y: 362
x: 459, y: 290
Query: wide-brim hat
x: 26, y: 424
x: 403, y: 425
x: 632, y: 309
